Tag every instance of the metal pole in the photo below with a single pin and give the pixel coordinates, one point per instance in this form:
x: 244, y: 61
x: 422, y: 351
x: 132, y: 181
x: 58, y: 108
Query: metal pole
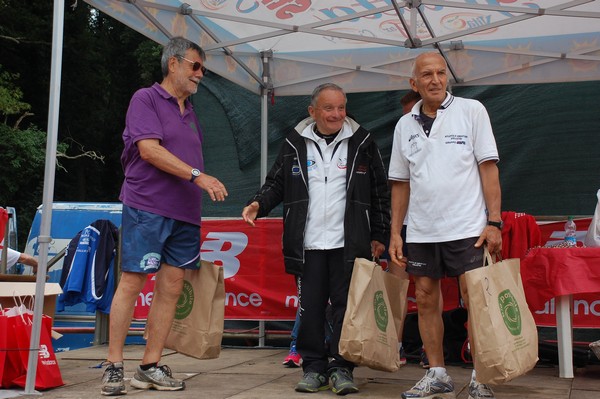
x: 44, y: 238
x: 264, y: 145
x: 4, y: 259
x: 264, y: 113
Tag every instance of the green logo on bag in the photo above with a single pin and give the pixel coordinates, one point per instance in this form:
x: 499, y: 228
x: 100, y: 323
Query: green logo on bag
x: 185, y: 303
x: 509, y: 309
x: 381, y: 311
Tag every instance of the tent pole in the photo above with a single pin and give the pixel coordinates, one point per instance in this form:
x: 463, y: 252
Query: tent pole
x: 266, y: 89
x: 264, y: 143
x: 48, y: 192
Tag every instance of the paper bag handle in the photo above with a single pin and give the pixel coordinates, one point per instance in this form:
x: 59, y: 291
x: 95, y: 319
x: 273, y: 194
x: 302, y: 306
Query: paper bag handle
x: 489, y: 258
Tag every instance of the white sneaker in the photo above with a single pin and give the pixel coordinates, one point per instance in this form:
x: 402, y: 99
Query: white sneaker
x: 159, y: 378
x: 431, y: 387
x: 478, y: 390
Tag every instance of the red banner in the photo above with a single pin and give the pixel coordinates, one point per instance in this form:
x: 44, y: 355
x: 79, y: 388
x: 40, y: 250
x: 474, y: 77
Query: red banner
x: 257, y: 287
x: 586, y: 307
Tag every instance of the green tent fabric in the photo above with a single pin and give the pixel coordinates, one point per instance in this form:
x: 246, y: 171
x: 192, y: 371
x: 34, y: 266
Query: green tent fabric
x: 548, y: 137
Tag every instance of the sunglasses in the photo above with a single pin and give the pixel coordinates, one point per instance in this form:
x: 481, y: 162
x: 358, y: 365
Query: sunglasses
x: 195, y: 65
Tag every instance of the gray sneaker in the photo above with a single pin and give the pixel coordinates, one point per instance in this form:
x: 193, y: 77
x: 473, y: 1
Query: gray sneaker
x: 431, y: 387
x: 113, y: 383
x: 312, y: 382
x: 342, y: 382
x: 159, y: 378
x: 478, y: 390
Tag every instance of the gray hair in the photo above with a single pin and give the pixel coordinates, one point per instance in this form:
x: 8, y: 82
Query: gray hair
x: 325, y: 86
x: 176, y: 47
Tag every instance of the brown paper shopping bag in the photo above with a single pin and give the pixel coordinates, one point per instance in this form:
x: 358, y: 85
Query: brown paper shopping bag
x: 397, y: 289
x: 373, y: 314
x: 197, y: 330
x: 504, y: 339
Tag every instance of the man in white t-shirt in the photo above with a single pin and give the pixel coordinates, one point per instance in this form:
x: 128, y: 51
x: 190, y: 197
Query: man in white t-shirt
x: 13, y: 257
x: 443, y: 163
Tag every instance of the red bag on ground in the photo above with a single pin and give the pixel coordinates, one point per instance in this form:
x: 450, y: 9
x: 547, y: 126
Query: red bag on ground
x: 48, y: 373
x: 11, y: 366
x: 3, y: 347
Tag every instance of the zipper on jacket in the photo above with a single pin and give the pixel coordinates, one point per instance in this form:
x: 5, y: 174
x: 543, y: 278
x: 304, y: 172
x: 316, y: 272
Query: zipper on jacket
x: 304, y: 179
x: 354, y: 160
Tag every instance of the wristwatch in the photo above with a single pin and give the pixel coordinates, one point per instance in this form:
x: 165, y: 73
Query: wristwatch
x: 499, y: 224
x: 195, y: 173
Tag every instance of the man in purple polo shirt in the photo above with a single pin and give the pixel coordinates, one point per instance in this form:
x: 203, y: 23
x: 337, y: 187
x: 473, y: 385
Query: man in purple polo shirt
x: 161, y: 196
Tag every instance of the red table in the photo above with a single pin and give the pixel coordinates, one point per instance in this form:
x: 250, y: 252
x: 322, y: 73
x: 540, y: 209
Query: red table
x: 559, y: 273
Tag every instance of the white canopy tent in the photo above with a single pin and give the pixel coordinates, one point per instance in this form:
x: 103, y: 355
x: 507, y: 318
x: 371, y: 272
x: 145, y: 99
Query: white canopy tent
x: 369, y: 45
x: 287, y: 47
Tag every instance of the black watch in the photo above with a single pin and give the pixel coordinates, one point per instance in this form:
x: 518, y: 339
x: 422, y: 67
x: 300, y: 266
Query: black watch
x: 499, y: 224
x: 195, y: 173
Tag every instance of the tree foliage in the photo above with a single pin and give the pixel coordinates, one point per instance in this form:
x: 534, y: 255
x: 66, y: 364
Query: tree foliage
x: 103, y: 63
x: 11, y: 96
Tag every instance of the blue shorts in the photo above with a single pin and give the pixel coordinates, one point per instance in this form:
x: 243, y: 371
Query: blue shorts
x: 149, y: 240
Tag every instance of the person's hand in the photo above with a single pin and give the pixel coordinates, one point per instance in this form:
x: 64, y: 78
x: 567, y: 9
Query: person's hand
x: 398, y: 269
x: 215, y: 189
x: 377, y: 249
x: 249, y: 213
x: 395, y: 250
x: 492, y: 236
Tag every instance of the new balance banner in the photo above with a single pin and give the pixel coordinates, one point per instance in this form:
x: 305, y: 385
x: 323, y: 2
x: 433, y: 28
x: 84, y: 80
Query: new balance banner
x: 257, y: 287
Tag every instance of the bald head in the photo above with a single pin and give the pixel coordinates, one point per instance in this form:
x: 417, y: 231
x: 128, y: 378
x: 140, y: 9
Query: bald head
x: 421, y: 58
x: 430, y: 79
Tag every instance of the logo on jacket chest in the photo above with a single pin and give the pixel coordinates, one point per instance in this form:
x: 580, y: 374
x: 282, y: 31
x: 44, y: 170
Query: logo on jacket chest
x: 295, y: 168
x: 342, y: 163
x: 362, y: 169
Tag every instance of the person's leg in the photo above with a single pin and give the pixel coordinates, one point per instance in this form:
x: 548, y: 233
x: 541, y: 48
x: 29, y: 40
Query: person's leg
x: 295, y: 328
x: 121, y: 312
x: 431, y: 326
x: 169, y: 283
x: 293, y: 358
x: 436, y: 383
x: 339, y: 369
x: 149, y: 375
x: 180, y: 250
x: 424, y: 362
x: 427, y: 266
x: 312, y: 290
x: 313, y: 299
x: 328, y: 326
x: 339, y: 284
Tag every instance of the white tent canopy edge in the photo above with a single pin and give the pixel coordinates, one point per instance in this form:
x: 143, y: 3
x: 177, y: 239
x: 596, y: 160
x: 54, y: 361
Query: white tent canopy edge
x: 370, y: 45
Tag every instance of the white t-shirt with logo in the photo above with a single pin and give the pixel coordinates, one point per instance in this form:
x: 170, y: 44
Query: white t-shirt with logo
x: 446, y: 197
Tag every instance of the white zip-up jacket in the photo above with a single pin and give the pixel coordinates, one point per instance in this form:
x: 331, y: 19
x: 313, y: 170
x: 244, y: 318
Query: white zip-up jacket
x: 366, y: 208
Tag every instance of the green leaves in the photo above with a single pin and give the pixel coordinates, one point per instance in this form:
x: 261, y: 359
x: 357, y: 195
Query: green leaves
x: 11, y: 96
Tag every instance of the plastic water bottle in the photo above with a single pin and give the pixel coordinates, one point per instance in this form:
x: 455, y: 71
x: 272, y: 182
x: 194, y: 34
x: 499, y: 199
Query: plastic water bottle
x: 570, y: 231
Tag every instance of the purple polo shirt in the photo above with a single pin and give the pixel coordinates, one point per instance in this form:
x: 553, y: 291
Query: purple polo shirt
x: 154, y: 114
